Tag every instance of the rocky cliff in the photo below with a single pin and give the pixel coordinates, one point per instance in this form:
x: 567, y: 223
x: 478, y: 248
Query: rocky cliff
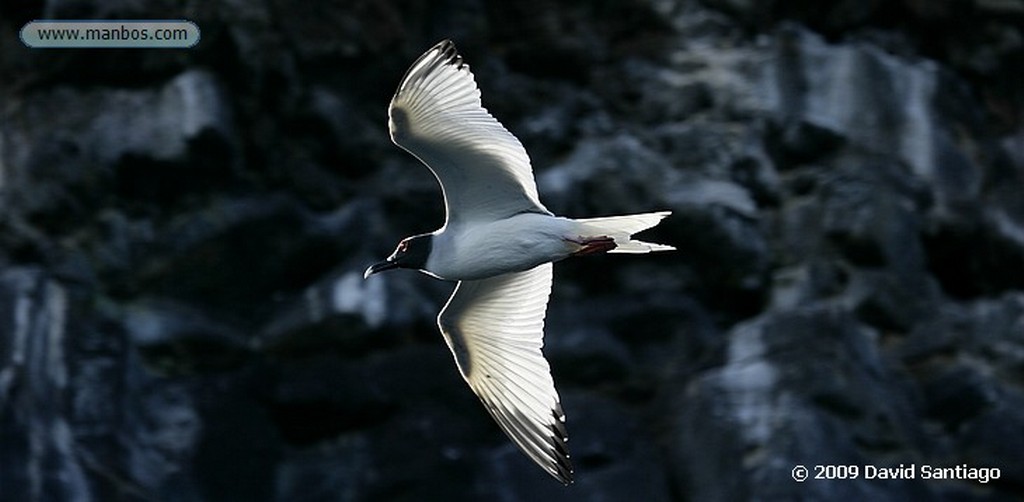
x: 182, y: 236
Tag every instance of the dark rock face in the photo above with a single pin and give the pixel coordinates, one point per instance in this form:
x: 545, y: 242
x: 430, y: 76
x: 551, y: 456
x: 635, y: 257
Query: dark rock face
x: 183, y: 233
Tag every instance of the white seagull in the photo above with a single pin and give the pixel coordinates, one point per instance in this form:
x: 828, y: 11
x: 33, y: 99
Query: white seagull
x: 498, y: 242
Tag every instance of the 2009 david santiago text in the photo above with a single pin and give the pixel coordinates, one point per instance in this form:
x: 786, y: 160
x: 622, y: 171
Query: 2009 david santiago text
x: 904, y: 471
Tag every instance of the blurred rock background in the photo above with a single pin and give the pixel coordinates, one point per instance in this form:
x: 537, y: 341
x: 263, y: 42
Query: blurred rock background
x: 183, y: 232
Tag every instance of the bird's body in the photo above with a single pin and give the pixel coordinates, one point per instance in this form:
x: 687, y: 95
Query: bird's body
x: 498, y: 243
x: 472, y: 250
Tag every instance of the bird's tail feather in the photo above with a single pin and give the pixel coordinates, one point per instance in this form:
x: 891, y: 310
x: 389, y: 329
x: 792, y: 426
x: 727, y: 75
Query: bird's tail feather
x: 622, y: 228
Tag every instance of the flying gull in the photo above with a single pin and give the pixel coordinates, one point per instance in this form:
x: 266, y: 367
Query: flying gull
x: 498, y: 242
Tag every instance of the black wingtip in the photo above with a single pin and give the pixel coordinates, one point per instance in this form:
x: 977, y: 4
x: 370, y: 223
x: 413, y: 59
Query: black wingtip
x: 563, y: 462
x: 449, y: 53
x: 565, y: 473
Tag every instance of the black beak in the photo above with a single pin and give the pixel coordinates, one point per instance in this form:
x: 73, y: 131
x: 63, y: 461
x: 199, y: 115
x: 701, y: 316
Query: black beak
x: 380, y: 267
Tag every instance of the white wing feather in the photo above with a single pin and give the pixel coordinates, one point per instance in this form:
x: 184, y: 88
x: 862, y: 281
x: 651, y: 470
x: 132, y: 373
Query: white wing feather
x: 495, y: 329
x: 437, y: 116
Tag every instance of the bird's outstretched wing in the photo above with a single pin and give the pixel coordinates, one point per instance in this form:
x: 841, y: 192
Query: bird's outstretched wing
x: 495, y: 328
x: 436, y: 115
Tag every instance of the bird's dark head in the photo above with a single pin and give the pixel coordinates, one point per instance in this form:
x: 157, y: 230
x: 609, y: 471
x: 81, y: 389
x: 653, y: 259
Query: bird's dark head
x: 412, y: 253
